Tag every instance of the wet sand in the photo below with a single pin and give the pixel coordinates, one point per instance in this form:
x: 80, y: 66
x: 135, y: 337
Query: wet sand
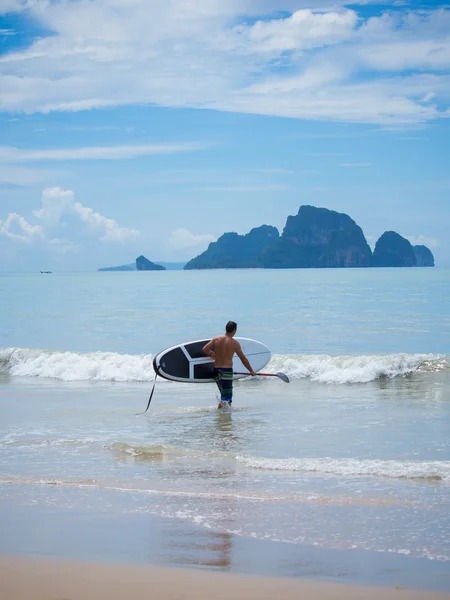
x: 55, y: 579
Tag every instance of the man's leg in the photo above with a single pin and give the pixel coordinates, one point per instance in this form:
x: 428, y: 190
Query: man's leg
x: 226, y: 396
x: 218, y: 379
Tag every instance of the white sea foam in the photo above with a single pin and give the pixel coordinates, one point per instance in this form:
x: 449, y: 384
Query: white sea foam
x: 354, y: 369
x: 38, y: 443
x: 111, y: 366
x: 432, y: 470
x: 74, y: 366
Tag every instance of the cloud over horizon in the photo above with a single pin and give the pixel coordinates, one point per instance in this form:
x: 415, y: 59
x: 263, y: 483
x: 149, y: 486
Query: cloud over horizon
x: 184, y: 239
x: 63, y: 225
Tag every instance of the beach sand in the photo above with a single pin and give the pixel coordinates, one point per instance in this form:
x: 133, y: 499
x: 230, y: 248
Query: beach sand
x: 54, y: 579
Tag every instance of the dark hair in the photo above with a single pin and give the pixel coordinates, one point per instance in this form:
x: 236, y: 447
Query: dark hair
x: 230, y: 327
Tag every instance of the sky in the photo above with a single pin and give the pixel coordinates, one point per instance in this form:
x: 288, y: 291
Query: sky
x: 152, y: 127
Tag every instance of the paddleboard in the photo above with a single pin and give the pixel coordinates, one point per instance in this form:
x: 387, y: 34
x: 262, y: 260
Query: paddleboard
x: 187, y: 363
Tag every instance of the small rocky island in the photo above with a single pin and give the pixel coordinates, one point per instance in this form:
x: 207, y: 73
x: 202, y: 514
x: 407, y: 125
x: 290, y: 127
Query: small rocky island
x: 424, y: 256
x: 314, y: 238
x: 141, y: 264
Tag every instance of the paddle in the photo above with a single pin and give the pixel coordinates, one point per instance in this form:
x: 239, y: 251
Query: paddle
x: 281, y: 376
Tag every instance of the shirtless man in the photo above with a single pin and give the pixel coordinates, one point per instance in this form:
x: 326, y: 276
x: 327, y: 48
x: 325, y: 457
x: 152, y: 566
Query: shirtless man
x: 221, y: 349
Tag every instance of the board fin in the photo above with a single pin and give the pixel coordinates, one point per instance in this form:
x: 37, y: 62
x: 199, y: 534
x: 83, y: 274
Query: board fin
x: 150, y: 398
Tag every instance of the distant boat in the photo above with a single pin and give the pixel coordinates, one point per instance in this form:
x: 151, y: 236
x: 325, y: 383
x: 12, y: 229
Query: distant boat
x: 45, y: 271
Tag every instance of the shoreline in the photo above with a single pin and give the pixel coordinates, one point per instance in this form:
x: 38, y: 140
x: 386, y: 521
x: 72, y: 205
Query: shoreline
x: 24, y: 578
x: 93, y: 535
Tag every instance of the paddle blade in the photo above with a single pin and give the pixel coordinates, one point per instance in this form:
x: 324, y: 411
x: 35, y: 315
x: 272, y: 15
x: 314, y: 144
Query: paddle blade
x: 283, y: 377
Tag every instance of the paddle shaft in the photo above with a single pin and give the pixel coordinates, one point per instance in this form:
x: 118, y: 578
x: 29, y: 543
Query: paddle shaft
x: 281, y: 376
x: 262, y: 374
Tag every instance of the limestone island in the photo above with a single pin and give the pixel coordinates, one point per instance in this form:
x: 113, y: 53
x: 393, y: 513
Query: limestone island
x: 233, y: 251
x: 314, y: 238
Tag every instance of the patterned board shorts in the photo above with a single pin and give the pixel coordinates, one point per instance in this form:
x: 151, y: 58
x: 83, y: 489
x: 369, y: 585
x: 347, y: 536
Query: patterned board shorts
x: 224, y: 380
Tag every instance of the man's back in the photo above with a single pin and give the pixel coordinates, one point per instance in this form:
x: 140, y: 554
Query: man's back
x: 221, y: 349
x: 224, y: 348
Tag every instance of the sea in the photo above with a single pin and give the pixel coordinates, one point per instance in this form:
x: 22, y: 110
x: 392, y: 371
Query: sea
x: 341, y: 474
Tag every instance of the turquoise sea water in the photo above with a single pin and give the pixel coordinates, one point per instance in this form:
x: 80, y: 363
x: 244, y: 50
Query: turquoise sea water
x: 352, y: 457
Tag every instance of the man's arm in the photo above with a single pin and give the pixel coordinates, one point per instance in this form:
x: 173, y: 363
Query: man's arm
x: 244, y: 359
x: 208, y: 349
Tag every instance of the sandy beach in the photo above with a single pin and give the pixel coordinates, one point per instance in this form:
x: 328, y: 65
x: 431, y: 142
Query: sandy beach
x: 53, y: 579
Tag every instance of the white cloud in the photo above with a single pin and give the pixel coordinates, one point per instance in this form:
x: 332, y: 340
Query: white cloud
x: 108, y: 229
x: 64, y: 224
x: 10, y: 154
x: 182, y: 238
x: 303, y: 29
x: 422, y: 240
x: 428, y: 97
x: 16, y: 228
x: 316, y: 63
x: 310, y: 79
x: 60, y: 213
x: 392, y: 56
x: 55, y: 202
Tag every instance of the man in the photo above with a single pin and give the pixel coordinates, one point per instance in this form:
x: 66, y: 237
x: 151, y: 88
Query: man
x: 221, y: 349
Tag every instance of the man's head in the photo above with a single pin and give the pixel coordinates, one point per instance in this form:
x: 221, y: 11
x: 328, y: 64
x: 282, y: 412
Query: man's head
x: 230, y: 328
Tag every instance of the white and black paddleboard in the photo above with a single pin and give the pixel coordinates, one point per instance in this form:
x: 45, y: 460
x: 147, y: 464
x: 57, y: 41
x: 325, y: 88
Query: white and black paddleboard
x: 187, y: 363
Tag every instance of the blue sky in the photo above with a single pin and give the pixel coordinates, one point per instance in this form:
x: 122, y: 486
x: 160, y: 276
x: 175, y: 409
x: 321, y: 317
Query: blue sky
x: 151, y: 127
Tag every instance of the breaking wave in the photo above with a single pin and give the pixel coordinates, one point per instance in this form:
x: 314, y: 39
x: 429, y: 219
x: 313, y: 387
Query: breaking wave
x: 74, y: 366
x: 355, y: 369
x: 112, y: 366
x: 432, y: 470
